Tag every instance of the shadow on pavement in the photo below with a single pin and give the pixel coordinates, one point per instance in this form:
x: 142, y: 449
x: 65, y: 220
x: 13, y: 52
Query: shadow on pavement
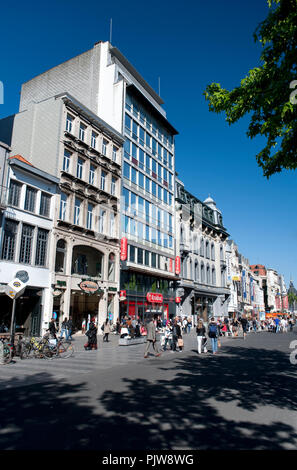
x: 184, y: 409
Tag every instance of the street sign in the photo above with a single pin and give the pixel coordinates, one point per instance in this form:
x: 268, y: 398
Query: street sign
x: 23, y: 276
x: 15, y: 288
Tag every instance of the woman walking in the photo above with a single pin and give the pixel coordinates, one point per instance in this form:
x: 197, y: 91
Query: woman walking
x: 106, y: 330
x: 92, y: 337
x: 213, y: 334
x: 201, y: 336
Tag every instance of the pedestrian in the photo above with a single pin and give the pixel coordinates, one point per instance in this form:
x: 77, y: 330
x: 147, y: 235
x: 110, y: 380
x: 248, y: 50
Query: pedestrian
x: 201, y: 336
x: 69, y: 328
x: 213, y: 334
x: 244, y: 324
x: 64, y: 329
x: 92, y: 337
x: 106, y: 330
x: 168, y: 336
x: 52, y: 328
x: 185, y: 323
x: 176, y: 333
x: 83, y: 326
x: 118, y: 326
x: 189, y: 326
x: 151, y: 339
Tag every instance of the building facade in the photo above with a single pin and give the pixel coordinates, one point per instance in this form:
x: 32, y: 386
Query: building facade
x: 85, y: 154
x: 201, y: 242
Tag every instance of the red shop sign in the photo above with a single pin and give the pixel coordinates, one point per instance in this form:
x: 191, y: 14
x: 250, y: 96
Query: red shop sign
x: 170, y: 265
x: 155, y: 298
x: 177, y: 265
x: 124, y: 248
x: 177, y: 300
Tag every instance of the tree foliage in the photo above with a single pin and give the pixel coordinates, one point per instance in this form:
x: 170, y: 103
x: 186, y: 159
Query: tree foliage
x: 264, y: 94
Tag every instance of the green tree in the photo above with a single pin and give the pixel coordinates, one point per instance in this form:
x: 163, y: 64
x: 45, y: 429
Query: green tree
x: 292, y: 298
x: 267, y: 94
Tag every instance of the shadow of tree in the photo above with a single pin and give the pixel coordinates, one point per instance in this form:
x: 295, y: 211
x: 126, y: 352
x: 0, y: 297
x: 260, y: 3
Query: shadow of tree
x: 210, y: 402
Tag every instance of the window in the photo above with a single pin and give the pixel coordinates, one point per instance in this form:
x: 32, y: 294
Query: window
x: 60, y: 256
x: 132, y: 253
x: 79, y: 168
x: 104, y: 147
x: 140, y: 256
x: 207, y: 249
x: 102, y: 216
x: 196, y: 276
x: 77, y: 211
x: 111, y: 267
x: 134, y: 176
x: 114, y: 153
x: 14, y: 193
x: 213, y: 276
x: 212, y: 252
x: 141, y: 179
x: 92, y: 174
x: 127, y: 170
x: 26, y: 244
x: 113, y: 186
x: 45, y: 204
x: 90, y: 216
x: 66, y: 160
x: 147, y: 258
x: 9, y: 240
x: 69, y: 123
x: 94, y: 140
x: 112, y: 225
x: 30, y: 199
x: 63, y: 206
x: 103, y: 179
x: 82, y: 131
x: 202, y: 247
x: 147, y: 184
x: 41, y: 247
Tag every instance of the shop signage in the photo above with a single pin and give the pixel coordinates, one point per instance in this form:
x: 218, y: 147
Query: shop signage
x: 177, y: 265
x: 124, y: 248
x: 23, y: 276
x: 112, y: 289
x: 122, y: 295
x: 61, y: 283
x: 90, y: 287
x: 15, y: 288
x: 170, y: 265
x: 154, y: 298
x: 177, y: 300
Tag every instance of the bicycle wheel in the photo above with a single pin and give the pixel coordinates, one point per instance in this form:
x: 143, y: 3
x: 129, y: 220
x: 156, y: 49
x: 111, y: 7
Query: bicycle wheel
x: 64, y: 350
x: 47, y: 352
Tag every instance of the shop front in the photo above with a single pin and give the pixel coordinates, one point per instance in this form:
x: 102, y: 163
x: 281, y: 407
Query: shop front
x: 142, y: 296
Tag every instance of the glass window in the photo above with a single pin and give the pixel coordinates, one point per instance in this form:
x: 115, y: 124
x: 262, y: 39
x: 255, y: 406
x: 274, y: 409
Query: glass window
x: 132, y: 253
x: 9, y: 240
x: 30, y: 199
x: 147, y: 184
x: 92, y: 174
x: 147, y: 233
x: 41, y: 247
x: 103, y: 180
x: 141, y: 159
x: 79, y: 168
x: 113, y: 185
x: 26, y: 244
x: 104, y: 147
x: 63, y: 206
x: 128, y: 124
x: 77, y: 211
x: 140, y: 256
x: 112, y: 224
x: 45, y: 204
x: 102, y: 215
x: 69, y: 123
x: 90, y: 216
x: 94, y: 140
x: 82, y: 131
x: 114, y: 153
x: 134, y: 176
x: 66, y: 160
x: 127, y: 170
x: 147, y: 258
x: 140, y: 179
x: 127, y: 151
x: 14, y: 193
x: 148, y: 164
x: 154, y: 189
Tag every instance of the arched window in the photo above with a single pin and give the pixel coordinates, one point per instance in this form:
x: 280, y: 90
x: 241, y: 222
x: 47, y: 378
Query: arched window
x: 87, y: 261
x: 213, y: 276
x: 111, y: 267
x: 212, y: 249
x: 202, y: 247
x: 60, y: 256
x: 207, y: 249
x: 196, y: 271
x: 184, y: 268
x: 221, y: 253
x: 202, y: 276
x: 191, y: 270
x: 207, y: 274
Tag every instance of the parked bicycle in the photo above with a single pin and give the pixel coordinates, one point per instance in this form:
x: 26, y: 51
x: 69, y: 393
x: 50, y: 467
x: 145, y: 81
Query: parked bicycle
x: 45, y: 348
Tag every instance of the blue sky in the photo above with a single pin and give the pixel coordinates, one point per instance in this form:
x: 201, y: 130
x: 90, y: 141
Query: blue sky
x: 188, y: 45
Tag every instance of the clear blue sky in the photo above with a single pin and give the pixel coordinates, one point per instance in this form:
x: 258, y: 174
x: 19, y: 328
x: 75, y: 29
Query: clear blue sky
x: 188, y: 45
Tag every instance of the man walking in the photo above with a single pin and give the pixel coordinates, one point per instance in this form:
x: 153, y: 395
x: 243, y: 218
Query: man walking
x: 69, y: 328
x: 151, y: 339
x: 213, y: 334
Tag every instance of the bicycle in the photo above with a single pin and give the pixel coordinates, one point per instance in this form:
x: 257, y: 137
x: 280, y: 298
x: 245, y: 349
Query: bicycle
x: 60, y: 348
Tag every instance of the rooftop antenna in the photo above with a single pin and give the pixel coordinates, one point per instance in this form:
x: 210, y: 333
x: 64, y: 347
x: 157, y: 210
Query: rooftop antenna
x: 110, y: 31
